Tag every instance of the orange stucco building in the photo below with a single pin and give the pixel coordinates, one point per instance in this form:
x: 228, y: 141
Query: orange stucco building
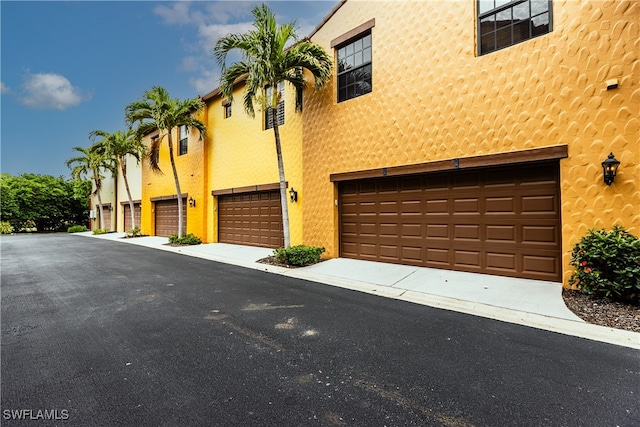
x: 469, y: 135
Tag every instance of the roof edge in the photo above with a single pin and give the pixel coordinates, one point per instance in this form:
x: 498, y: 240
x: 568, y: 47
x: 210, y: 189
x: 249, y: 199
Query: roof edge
x: 326, y: 18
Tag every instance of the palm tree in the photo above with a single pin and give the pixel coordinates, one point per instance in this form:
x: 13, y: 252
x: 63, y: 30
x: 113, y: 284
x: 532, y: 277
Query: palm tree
x: 117, y: 146
x: 266, y: 61
x: 157, y: 111
x: 91, y: 163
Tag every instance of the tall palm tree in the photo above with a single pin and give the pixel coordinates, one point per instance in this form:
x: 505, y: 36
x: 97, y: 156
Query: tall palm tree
x: 271, y: 54
x: 157, y: 111
x: 118, y: 146
x: 91, y: 163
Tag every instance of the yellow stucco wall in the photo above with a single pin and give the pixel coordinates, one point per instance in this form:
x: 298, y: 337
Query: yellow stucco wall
x: 191, y: 173
x: 434, y: 98
x: 243, y: 154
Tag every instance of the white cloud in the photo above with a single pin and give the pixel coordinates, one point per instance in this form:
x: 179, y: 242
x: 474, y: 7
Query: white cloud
x: 177, y: 13
x: 3, y: 88
x: 208, y: 81
x: 214, y: 20
x: 209, y: 34
x: 50, y: 91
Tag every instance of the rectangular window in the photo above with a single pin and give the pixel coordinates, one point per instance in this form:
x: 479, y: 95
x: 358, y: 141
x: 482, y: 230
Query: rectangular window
x: 503, y: 23
x: 354, y: 67
x: 154, y: 143
x: 268, y: 119
x: 227, y: 110
x: 184, y: 138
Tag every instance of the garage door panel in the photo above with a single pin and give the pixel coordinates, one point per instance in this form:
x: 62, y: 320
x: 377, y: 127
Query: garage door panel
x: 252, y: 219
x: 500, y: 205
x: 493, y: 220
x: 467, y: 232
x: 435, y: 231
x: 466, y: 258
x: 438, y: 257
x: 541, y: 265
x: 501, y: 261
x: 540, y: 234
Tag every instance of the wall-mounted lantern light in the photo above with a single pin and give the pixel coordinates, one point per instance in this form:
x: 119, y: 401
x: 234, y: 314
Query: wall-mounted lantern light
x: 192, y: 202
x: 293, y: 195
x: 610, y: 168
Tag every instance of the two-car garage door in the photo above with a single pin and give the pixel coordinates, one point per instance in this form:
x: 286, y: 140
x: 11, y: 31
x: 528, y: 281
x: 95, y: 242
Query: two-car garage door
x: 500, y: 220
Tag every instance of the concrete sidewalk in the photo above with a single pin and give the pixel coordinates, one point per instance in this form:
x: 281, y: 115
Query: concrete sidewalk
x: 531, y: 303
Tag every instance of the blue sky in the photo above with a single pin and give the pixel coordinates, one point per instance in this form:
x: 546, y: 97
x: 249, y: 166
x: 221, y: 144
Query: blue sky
x: 70, y: 67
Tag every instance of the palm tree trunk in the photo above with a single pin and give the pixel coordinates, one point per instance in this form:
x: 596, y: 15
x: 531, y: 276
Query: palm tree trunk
x: 283, y: 185
x: 123, y: 167
x: 175, y: 177
x: 100, y: 209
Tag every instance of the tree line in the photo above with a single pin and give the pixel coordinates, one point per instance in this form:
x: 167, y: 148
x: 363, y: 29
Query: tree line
x: 32, y: 202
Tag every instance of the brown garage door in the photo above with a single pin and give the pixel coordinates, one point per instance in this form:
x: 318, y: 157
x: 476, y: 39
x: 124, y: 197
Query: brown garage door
x: 502, y: 220
x: 251, y: 219
x: 127, y: 215
x: 166, y: 214
x: 106, y: 210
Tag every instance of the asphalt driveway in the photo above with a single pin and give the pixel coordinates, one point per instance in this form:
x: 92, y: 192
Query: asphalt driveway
x: 99, y: 333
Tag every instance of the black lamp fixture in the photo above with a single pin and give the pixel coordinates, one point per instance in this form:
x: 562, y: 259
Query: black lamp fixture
x: 610, y: 168
x: 192, y: 202
x: 293, y: 195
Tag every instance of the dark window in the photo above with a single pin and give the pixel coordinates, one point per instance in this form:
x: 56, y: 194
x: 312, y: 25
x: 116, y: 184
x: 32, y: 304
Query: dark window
x: 227, y: 110
x: 354, y: 68
x: 154, y: 142
x: 503, y: 23
x: 184, y: 138
x: 268, y: 119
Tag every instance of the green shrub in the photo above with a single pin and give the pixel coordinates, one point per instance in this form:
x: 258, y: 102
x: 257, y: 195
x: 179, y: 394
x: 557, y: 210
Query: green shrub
x: 298, y: 256
x: 607, y: 264
x: 6, y: 227
x: 134, y: 232
x: 76, y: 229
x: 187, y: 239
x: 100, y: 231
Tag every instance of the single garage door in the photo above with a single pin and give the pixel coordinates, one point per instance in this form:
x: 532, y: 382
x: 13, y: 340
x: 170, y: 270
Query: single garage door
x: 499, y: 220
x: 166, y: 216
x: 253, y: 219
x: 127, y: 215
x: 106, y: 211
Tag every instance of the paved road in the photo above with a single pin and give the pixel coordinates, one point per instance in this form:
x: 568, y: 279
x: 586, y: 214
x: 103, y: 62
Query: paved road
x: 101, y: 333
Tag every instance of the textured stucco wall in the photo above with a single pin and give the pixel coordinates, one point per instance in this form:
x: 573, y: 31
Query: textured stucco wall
x: 243, y: 154
x: 433, y: 98
x: 191, y: 174
x: 134, y: 178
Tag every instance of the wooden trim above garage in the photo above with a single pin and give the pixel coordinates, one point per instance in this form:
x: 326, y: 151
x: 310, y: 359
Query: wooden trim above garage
x: 499, y: 159
x: 134, y: 202
x: 248, y: 189
x: 173, y: 196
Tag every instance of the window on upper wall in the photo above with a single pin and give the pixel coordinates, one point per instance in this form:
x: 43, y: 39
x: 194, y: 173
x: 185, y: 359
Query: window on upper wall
x: 268, y: 118
x: 503, y: 23
x: 154, y: 142
x: 184, y: 139
x: 354, y: 68
x: 227, y: 109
